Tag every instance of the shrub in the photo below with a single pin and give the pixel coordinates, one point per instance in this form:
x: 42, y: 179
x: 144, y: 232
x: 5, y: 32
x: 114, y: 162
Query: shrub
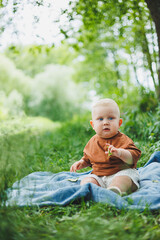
x: 51, y: 93
x: 15, y: 89
x: 148, y: 101
x: 54, y: 94
x: 144, y: 126
x: 11, y: 105
x: 12, y: 78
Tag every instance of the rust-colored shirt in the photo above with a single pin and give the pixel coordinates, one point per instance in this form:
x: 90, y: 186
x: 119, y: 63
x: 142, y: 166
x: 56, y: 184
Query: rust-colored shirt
x: 104, y: 165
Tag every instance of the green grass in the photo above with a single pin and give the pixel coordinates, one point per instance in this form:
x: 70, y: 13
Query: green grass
x: 36, y: 144
x: 24, y: 144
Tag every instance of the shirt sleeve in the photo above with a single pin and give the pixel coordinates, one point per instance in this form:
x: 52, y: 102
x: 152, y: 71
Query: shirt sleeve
x: 136, y: 153
x: 85, y: 158
x: 87, y: 150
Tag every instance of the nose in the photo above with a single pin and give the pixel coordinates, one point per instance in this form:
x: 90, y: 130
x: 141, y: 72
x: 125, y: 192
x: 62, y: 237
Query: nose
x: 105, y: 122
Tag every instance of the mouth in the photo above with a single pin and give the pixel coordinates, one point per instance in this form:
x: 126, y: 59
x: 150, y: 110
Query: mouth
x: 106, y: 129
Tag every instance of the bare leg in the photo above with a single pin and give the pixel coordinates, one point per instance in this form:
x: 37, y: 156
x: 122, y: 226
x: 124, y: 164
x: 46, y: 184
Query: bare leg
x: 89, y: 180
x: 124, y: 183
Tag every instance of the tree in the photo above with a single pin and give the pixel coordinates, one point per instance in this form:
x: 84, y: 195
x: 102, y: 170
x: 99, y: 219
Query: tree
x: 116, y: 25
x: 154, y: 7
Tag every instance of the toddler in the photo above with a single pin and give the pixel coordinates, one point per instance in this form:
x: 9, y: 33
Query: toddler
x: 111, y: 154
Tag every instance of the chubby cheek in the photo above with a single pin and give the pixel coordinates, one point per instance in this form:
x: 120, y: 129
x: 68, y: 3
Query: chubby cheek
x: 96, y: 128
x: 99, y: 128
x: 116, y: 127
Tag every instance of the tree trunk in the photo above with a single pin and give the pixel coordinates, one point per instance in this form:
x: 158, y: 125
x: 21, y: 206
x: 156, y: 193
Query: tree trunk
x: 154, y: 7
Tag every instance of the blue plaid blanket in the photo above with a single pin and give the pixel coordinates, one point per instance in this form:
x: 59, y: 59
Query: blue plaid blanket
x: 46, y: 188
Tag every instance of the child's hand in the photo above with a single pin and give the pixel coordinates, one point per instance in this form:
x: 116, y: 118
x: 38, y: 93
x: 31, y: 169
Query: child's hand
x: 78, y: 165
x: 123, y: 154
x: 113, y: 150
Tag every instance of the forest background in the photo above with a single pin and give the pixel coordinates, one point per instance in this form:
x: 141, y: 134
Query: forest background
x: 105, y: 49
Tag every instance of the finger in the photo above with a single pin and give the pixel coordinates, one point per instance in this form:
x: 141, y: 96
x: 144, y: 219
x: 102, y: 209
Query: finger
x: 75, y: 168
x: 110, y: 147
x: 113, y: 149
x: 78, y: 166
x: 71, y: 168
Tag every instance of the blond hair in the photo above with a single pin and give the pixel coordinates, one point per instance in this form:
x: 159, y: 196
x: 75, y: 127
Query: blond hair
x: 106, y: 102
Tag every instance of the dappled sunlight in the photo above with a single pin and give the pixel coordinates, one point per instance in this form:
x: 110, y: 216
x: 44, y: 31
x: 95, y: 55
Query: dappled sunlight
x: 57, y: 58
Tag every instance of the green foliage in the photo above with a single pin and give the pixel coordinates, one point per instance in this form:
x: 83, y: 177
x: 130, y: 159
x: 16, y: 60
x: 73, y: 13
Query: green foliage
x: 40, y: 83
x: 12, y: 78
x: 101, y: 225
x: 11, y: 105
x: 15, y: 89
x: 115, y: 30
x: 148, y: 101
x: 32, y: 59
x: 48, y: 94
x: 21, y: 140
x: 144, y: 126
x: 100, y: 73
x: 54, y: 94
x: 69, y: 222
x: 38, y: 144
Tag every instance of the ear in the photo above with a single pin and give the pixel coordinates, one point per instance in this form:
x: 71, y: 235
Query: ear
x: 120, y: 122
x: 91, y: 122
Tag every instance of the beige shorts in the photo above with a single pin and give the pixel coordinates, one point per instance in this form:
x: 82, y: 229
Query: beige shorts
x: 106, y: 180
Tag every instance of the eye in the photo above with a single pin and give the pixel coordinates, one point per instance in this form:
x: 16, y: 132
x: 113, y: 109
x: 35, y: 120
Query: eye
x: 110, y: 118
x: 100, y: 119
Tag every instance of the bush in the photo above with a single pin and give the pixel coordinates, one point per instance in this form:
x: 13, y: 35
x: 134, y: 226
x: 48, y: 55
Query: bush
x: 11, y: 78
x: 143, y: 126
x: 51, y: 93
x: 11, y: 105
x: 15, y: 89
x: 54, y: 94
x: 148, y: 101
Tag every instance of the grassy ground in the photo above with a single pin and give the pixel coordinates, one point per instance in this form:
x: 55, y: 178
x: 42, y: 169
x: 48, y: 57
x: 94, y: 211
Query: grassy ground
x: 36, y: 144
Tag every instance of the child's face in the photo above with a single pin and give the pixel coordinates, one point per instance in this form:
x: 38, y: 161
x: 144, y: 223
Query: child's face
x: 106, y: 121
